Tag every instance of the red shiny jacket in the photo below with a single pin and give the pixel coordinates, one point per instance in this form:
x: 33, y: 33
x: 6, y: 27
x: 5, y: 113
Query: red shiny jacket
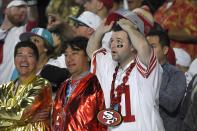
x: 80, y: 112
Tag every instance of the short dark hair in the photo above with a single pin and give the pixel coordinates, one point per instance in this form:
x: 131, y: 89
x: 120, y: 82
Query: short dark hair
x: 157, y: 30
x: 116, y: 27
x: 77, y: 43
x: 29, y: 44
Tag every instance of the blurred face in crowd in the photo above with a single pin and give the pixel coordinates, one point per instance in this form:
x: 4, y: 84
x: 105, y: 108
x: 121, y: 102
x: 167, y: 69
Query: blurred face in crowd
x: 39, y: 42
x: 81, y: 29
x: 121, y: 49
x: 54, y: 22
x: 160, y: 51
x: 59, y: 29
x: 92, y: 5
x: 76, y: 61
x: 25, y: 61
x: 17, y: 15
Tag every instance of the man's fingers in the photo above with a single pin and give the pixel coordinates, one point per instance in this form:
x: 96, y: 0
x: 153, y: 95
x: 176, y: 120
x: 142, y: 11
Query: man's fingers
x: 124, y: 22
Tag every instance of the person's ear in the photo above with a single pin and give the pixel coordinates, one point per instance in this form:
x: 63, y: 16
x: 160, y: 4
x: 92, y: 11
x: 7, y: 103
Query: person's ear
x: 100, y: 5
x: 90, y: 31
x: 45, y: 49
x: 132, y: 49
x: 165, y: 50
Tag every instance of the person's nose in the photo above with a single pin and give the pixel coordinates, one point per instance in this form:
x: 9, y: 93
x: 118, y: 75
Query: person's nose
x: 23, y: 9
x: 69, y: 57
x: 24, y: 58
x: 113, y: 44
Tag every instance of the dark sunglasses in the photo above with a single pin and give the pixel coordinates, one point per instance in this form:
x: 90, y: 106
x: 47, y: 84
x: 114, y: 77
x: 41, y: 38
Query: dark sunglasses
x: 78, y: 24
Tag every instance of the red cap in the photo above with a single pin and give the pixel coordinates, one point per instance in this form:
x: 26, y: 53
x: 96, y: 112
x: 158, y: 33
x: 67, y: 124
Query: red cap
x: 107, y: 3
x: 131, y: 16
x: 113, y: 17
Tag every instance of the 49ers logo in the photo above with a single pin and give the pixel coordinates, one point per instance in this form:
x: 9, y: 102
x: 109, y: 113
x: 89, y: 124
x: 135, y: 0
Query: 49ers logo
x: 109, y: 117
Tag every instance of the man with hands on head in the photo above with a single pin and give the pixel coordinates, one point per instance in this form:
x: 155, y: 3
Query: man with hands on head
x: 129, y: 73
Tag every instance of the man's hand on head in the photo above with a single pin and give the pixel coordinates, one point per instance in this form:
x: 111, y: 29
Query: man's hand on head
x: 126, y: 25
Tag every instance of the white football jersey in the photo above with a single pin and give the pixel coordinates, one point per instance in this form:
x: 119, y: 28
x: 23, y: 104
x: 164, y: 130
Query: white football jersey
x: 144, y: 83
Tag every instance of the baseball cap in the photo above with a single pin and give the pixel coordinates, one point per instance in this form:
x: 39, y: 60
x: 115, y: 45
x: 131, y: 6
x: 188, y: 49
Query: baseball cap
x: 107, y: 3
x: 88, y: 18
x: 16, y: 3
x: 143, y: 21
x: 182, y: 57
x: 40, y: 32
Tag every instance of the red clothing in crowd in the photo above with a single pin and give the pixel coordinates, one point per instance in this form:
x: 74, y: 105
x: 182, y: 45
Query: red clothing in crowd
x: 79, y: 113
x: 182, y: 14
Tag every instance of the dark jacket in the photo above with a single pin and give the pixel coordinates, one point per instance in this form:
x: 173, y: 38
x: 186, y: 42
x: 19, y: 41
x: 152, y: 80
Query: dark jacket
x: 55, y: 75
x: 190, y: 121
x: 171, y: 93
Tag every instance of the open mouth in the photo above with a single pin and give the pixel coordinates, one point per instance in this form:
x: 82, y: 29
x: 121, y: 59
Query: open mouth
x: 113, y: 52
x: 71, y: 65
x: 21, y: 17
x: 24, y: 65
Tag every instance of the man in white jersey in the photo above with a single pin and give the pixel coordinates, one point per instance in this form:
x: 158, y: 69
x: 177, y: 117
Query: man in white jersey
x: 130, y: 75
x: 20, y: 17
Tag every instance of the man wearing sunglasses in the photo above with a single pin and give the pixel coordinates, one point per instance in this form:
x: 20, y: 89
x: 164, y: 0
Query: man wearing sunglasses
x: 85, y: 24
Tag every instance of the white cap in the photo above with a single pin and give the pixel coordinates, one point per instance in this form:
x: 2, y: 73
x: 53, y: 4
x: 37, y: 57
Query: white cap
x: 16, y: 3
x: 90, y: 19
x: 182, y: 57
x: 193, y: 67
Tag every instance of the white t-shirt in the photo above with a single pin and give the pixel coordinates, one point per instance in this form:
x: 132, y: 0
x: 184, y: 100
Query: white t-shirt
x: 144, y: 85
x: 7, y: 66
x: 59, y: 61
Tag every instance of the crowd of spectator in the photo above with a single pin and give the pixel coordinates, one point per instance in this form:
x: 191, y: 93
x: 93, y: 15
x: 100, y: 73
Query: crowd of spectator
x: 88, y: 65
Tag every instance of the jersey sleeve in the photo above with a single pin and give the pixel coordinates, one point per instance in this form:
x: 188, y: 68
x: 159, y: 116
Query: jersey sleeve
x: 102, y: 61
x: 144, y: 70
